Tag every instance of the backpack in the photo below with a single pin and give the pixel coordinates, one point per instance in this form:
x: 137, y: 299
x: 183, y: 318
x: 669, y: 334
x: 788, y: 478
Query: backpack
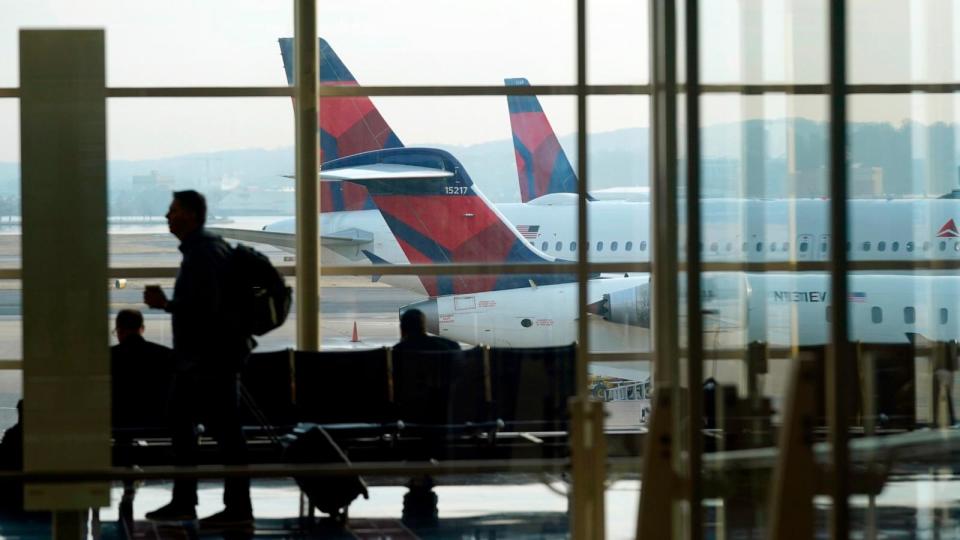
x: 261, y: 299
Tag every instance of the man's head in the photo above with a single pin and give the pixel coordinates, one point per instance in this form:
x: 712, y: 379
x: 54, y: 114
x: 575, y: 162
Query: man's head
x: 187, y: 213
x: 412, y: 324
x: 129, y: 323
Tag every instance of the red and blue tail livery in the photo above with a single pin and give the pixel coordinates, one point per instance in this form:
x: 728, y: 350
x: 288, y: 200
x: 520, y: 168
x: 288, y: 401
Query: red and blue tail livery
x: 348, y: 125
x: 437, y: 216
x: 542, y: 165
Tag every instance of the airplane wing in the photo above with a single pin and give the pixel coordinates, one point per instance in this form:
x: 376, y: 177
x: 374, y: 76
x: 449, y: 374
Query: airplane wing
x: 346, y: 237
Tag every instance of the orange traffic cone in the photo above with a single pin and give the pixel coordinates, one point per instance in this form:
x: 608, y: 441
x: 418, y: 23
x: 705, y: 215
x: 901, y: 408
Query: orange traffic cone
x: 355, y: 338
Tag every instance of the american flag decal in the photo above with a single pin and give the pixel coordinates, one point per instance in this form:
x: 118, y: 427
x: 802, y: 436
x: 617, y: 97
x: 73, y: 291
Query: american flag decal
x: 530, y: 232
x: 857, y: 297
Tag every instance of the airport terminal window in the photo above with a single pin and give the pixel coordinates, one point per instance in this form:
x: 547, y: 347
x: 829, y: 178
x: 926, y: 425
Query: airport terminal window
x: 944, y: 315
x: 909, y: 315
x: 876, y: 315
x: 881, y: 246
x: 613, y: 246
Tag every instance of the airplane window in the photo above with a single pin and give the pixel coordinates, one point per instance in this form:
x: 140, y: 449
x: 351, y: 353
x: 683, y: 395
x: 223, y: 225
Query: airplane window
x: 909, y: 246
x: 773, y: 247
x: 881, y: 246
x: 876, y: 315
x: 599, y: 246
x: 786, y: 246
x: 573, y: 246
x: 559, y: 246
x: 543, y: 246
x: 526, y: 323
x: 823, y: 247
x: 628, y: 246
x: 895, y: 246
x: 803, y: 247
x: 926, y: 246
x: 643, y: 245
x: 613, y: 246
x: 943, y: 245
x: 956, y: 246
x: 729, y: 246
x: 866, y: 246
x: 944, y: 315
x: 714, y: 247
x: 759, y: 246
x: 909, y: 315
x: 744, y: 248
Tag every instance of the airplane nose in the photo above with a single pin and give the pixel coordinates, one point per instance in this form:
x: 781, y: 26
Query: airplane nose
x: 430, y: 313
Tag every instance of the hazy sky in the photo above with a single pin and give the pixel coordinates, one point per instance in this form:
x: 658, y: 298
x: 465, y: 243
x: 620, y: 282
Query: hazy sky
x: 233, y: 42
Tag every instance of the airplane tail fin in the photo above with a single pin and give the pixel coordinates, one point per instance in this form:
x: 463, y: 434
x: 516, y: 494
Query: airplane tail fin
x: 542, y: 165
x: 348, y: 125
x: 438, y: 216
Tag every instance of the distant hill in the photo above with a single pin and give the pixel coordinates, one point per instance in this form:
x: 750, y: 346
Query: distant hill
x: 740, y: 159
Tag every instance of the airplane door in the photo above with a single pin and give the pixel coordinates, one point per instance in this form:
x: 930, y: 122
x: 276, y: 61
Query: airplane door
x: 805, y: 247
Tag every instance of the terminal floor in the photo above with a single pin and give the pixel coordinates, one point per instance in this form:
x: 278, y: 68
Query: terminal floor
x: 918, y: 505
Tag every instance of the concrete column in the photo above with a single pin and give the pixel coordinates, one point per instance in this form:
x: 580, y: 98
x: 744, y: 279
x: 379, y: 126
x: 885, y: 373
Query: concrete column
x: 65, y: 320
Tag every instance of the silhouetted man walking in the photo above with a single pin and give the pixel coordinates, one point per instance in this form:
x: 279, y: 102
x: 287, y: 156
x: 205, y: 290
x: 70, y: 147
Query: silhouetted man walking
x: 209, y: 351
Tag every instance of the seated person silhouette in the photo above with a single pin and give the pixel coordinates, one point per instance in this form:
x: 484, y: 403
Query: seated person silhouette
x: 11, y: 459
x: 414, y: 337
x: 142, y: 374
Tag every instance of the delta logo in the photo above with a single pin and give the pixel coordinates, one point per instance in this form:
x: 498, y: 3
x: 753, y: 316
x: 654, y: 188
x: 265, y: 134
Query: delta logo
x: 949, y: 230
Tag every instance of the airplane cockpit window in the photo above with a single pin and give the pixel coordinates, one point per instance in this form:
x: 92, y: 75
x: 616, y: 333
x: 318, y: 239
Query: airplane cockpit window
x: 944, y: 315
x: 909, y: 315
x: 876, y: 315
x: 803, y: 247
x: 613, y: 246
x: 881, y: 246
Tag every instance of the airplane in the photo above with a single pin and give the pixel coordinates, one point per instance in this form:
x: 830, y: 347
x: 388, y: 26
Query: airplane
x: 439, y: 216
